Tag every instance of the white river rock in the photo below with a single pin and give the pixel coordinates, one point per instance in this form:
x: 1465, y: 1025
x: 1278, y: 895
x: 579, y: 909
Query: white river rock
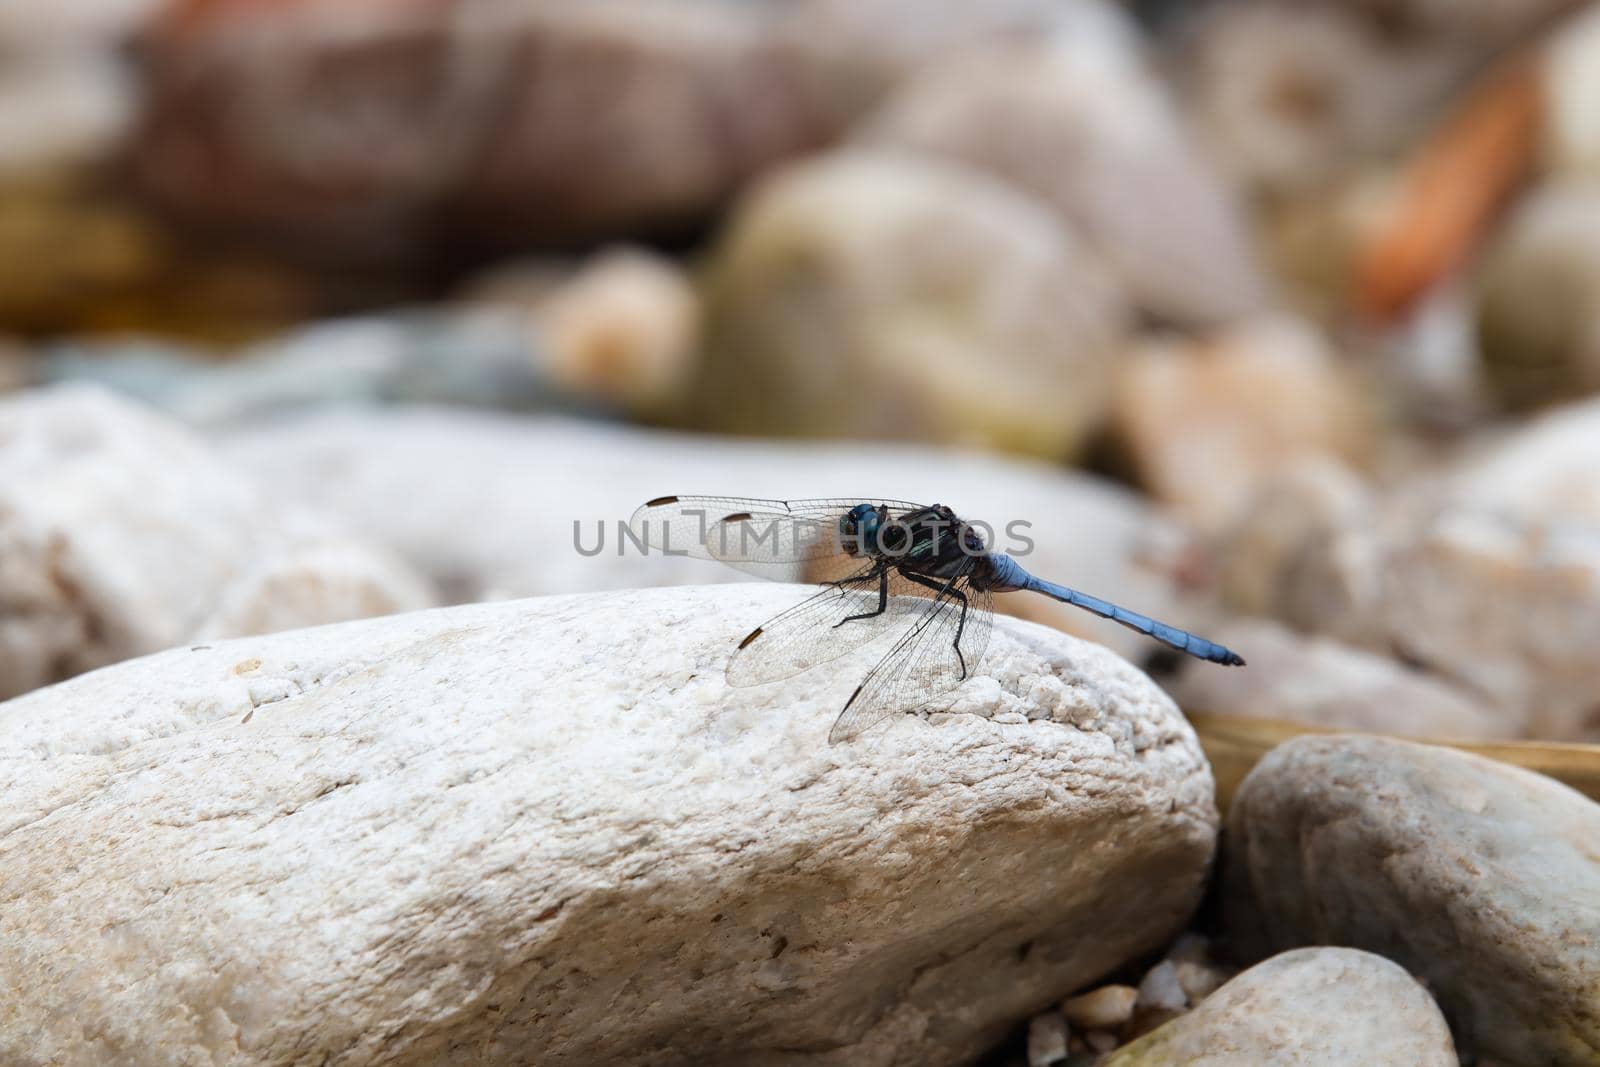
x: 547, y: 832
x: 120, y: 533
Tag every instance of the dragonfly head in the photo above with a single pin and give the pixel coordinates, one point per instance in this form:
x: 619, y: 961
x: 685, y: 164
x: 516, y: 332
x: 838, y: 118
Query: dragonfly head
x: 859, y: 527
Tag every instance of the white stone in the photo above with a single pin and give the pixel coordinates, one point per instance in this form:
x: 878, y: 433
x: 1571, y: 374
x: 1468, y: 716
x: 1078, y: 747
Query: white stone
x: 1047, y: 1040
x: 120, y: 533
x: 547, y: 831
x: 1313, y: 1007
x: 1161, y: 991
x: 485, y: 504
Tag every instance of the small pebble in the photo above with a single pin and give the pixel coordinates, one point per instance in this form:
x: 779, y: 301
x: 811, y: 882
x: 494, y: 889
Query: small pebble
x: 1199, y: 980
x: 1105, y: 1008
x: 1101, y: 1040
x: 1047, y: 1040
x: 1161, y: 990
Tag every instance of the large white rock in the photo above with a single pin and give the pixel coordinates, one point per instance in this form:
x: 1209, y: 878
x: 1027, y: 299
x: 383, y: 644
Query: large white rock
x: 547, y: 832
x: 485, y: 504
x: 121, y: 534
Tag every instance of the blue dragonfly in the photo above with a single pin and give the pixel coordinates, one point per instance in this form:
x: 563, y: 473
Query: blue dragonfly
x: 886, y: 567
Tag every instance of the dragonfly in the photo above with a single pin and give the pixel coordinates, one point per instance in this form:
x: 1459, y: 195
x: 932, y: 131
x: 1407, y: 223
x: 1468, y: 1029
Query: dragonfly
x: 886, y: 568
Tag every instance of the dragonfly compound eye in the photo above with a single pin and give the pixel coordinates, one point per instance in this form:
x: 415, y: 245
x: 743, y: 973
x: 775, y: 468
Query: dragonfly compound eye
x: 859, y: 528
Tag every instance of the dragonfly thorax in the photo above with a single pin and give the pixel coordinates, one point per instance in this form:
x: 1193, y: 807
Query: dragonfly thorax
x: 930, y: 540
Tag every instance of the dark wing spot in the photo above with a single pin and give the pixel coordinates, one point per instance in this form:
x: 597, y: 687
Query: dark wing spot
x: 853, y: 696
x: 740, y: 517
x: 660, y: 500
x: 753, y: 635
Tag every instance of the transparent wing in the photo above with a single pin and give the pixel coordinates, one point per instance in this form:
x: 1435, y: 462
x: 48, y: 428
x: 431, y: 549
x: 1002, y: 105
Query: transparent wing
x: 780, y: 540
x: 841, y: 618
x: 942, y: 647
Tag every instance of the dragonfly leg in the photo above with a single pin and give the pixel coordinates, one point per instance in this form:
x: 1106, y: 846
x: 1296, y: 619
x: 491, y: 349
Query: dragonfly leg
x: 883, y: 600
x: 943, y: 588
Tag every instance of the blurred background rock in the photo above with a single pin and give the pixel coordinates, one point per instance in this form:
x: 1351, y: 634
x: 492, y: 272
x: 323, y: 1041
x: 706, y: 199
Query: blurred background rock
x: 1311, y: 290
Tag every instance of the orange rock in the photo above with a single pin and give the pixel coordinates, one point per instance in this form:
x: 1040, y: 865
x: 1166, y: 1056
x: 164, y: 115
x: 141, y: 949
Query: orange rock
x: 1451, y: 192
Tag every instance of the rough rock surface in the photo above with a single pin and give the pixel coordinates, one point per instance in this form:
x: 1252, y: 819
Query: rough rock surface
x: 879, y: 294
x: 1506, y: 606
x: 1323, y: 682
x: 121, y: 534
x: 1314, y: 1007
x: 547, y: 831
x: 1480, y: 878
x: 404, y: 478
x: 1088, y: 129
x: 1487, y: 576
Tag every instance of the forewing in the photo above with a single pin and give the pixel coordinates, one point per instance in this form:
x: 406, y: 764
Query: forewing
x: 780, y: 540
x: 926, y: 661
x: 820, y: 629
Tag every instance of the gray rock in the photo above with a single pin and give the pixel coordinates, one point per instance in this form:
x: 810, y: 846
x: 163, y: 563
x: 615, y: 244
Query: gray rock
x: 1323, y: 682
x: 121, y: 534
x: 1485, y: 575
x: 1507, y: 606
x: 404, y: 478
x: 1315, y: 1007
x: 482, y: 357
x: 957, y: 309
x: 1086, y: 127
x: 1546, y: 470
x: 1306, y: 550
x: 547, y: 831
x: 1480, y: 878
